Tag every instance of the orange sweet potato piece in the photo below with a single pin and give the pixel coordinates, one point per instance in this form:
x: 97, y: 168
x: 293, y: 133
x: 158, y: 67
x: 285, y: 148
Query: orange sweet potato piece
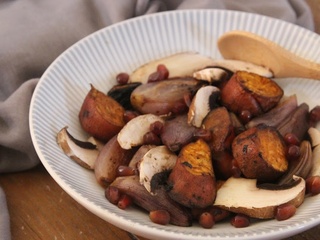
x: 251, y: 92
x: 260, y: 153
x: 192, y: 180
x: 100, y: 115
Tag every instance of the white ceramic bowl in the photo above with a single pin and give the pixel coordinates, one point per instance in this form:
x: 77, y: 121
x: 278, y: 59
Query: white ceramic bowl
x: 123, y: 47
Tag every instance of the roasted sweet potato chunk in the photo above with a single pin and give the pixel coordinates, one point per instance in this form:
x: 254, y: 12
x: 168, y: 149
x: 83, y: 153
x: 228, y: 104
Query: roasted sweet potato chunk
x: 250, y: 92
x: 192, y: 180
x: 100, y: 115
x: 260, y: 153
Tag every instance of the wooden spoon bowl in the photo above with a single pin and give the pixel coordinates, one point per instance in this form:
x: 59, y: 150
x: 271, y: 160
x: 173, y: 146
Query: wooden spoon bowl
x: 246, y: 46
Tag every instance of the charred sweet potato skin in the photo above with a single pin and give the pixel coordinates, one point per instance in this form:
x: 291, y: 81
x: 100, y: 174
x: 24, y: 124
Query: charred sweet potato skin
x: 260, y: 153
x: 192, y: 180
x: 100, y: 115
x: 250, y: 92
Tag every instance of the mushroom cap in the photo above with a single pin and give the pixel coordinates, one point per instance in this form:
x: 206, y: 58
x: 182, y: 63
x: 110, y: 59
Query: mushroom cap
x: 241, y: 195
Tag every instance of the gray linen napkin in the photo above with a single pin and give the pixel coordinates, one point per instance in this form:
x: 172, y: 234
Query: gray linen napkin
x: 33, y: 33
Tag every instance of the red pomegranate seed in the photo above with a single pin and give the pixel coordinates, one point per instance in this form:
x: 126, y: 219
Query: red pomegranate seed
x: 160, y: 217
x: 206, y: 220
x: 122, y: 78
x: 125, y: 201
x: 285, y: 211
x: 240, y: 221
x: 313, y: 185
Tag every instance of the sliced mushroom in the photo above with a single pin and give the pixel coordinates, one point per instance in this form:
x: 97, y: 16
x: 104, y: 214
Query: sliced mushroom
x: 211, y: 74
x: 315, y: 139
x: 315, y: 136
x: 179, y: 65
x: 241, y: 195
x: 96, y: 142
x: 202, y: 103
x: 137, y: 157
x: 83, y: 153
x: 131, y: 135
x: 315, y: 171
x: 155, y: 166
x: 237, y: 65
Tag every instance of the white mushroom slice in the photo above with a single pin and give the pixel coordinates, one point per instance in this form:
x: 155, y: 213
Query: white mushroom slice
x: 211, y: 74
x: 241, y: 195
x: 315, y: 136
x: 83, y: 153
x: 158, y: 160
x: 315, y: 170
x: 237, y: 65
x: 201, y: 104
x: 131, y: 135
x: 96, y: 142
x: 178, y: 65
x: 137, y: 157
x: 315, y: 139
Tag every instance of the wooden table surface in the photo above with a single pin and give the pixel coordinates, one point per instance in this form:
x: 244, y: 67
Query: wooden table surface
x: 40, y: 209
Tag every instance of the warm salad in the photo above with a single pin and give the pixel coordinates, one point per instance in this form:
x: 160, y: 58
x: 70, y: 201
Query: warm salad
x: 192, y: 139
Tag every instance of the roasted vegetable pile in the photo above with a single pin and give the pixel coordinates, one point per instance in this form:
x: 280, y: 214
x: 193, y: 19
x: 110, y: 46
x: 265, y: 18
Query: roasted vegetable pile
x: 192, y: 139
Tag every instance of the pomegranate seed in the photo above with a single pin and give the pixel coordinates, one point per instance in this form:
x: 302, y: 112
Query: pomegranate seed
x: 126, y: 171
x: 315, y: 114
x: 291, y: 139
x: 156, y: 127
x: 293, y: 152
x: 240, y: 221
x: 163, y: 71
x: 313, y: 185
x: 160, y: 217
x: 125, y: 201
x: 122, y: 78
x: 206, y: 220
x: 285, y: 211
x: 245, y: 116
x: 151, y: 138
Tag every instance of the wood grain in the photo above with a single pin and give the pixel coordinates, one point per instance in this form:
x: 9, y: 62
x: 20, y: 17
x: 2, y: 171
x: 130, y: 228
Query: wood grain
x: 40, y: 209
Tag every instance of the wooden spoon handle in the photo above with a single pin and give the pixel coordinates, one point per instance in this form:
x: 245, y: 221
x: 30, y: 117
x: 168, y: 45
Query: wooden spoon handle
x: 246, y: 46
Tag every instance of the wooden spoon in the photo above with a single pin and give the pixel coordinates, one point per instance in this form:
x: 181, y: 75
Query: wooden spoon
x: 246, y: 46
